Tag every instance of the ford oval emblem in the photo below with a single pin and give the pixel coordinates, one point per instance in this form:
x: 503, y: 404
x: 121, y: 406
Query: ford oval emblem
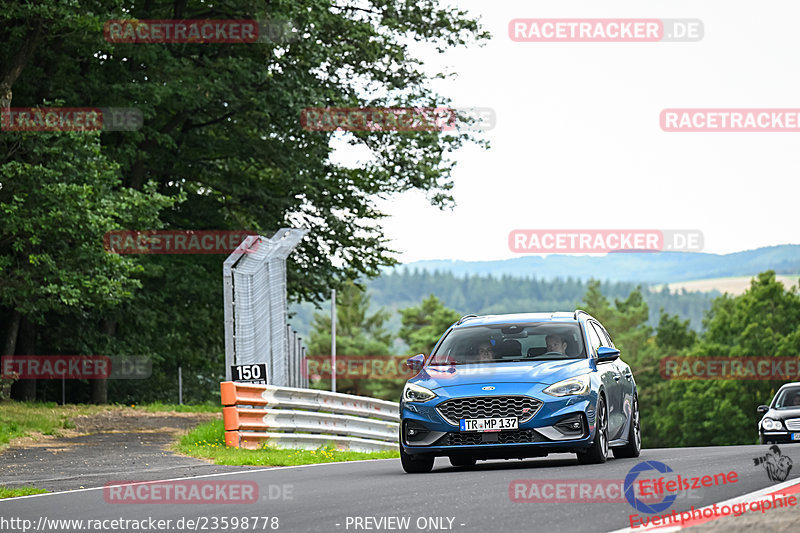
x: 487, y: 388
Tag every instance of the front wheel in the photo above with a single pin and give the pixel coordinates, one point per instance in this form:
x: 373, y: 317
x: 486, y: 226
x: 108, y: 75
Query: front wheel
x: 634, y: 445
x: 416, y: 464
x: 598, y: 451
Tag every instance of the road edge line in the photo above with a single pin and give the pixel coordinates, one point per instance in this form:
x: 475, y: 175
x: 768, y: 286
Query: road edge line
x: 270, y: 469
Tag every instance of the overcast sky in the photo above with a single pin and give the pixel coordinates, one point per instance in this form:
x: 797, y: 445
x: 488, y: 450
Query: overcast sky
x: 578, y: 143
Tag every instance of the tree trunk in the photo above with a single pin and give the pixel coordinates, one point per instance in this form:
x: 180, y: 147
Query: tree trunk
x: 10, y: 345
x: 25, y: 389
x: 14, y: 67
x: 100, y: 386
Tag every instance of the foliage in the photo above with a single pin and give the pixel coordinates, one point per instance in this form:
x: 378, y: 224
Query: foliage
x: 424, y: 325
x: 762, y: 322
x: 221, y: 147
x: 6, y: 492
x: 357, y: 333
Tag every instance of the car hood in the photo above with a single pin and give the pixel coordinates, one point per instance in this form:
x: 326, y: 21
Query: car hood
x: 783, y: 414
x: 523, y: 372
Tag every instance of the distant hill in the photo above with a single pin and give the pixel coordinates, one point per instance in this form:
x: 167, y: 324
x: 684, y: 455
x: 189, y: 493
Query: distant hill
x: 506, y: 294
x: 654, y: 267
x: 558, y: 282
x: 733, y: 286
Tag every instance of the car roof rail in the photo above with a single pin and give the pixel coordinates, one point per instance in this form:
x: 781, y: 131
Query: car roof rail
x: 463, y: 318
x: 581, y: 311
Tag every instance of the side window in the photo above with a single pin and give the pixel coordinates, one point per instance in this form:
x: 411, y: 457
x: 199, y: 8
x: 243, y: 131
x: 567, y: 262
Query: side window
x: 605, y: 340
x: 610, y: 342
x: 594, y: 339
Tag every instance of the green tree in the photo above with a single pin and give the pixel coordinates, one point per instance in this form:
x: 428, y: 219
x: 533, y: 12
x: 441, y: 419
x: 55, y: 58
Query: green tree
x: 54, y: 215
x: 673, y: 333
x: 222, y: 138
x: 422, y: 326
x: 764, y: 321
x: 626, y: 321
x: 357, y: 333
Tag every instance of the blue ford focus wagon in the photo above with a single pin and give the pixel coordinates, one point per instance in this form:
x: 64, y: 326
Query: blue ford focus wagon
x: 517, y: 386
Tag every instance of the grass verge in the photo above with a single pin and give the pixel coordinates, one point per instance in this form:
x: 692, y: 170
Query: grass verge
x: 207, y: 441
x: 159, y: 407
x: 21, y: 419
x: 18, y: 419
x: 21, y: 491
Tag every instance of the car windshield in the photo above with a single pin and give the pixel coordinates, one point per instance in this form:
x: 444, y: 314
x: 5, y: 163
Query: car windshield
x: 788, y: 398
x: 499, y: 343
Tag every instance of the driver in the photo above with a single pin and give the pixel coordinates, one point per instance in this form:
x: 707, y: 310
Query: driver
x: 556, y: 343
x: 796, y: 400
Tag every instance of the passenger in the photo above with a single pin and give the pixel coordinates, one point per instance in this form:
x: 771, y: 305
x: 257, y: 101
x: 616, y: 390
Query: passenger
x: 796, y: 399
x: 556, y: 343
x: 485, y: 352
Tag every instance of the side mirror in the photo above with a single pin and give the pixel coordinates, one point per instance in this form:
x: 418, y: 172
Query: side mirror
x: 416, y: 362
x: 763, y: 408
x: 606, y: 354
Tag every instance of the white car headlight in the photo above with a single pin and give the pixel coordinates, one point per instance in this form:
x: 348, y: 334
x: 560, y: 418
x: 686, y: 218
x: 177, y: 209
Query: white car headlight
x: 570, y: 387
x: 771, y: 425
x: 415, y: 393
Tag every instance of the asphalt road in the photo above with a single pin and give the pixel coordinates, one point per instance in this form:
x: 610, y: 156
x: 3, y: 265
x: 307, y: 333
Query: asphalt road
x: 333, y: 497
x: 94, y: 460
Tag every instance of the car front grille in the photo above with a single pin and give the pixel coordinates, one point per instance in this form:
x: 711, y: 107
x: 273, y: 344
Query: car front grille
x: 793, y: 424
x: 521, y: 407
x: 517, y: 436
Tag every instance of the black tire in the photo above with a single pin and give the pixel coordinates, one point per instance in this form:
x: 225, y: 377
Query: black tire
x: 634, y: 446
x: 462, y: 460
x: 416, y: 464
x: 598, y: 451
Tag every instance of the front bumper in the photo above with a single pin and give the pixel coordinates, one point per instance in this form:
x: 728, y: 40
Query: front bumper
x: 425, y: 431
x: 778, y: 437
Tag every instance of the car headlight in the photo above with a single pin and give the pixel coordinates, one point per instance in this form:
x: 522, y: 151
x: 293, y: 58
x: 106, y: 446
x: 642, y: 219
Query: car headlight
x: 771, y: 425
x: 570, y: 387
x: 415, y: 393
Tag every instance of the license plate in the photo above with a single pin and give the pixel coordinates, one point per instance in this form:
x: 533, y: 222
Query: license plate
x: 795, y: 436
x: 488, y: 424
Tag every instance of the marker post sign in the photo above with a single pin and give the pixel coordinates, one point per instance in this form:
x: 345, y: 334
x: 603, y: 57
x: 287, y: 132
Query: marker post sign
x: 253, y: 373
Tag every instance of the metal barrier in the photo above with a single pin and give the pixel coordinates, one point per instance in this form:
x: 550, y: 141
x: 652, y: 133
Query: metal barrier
x: 254, y: 292
x: 306, y: 419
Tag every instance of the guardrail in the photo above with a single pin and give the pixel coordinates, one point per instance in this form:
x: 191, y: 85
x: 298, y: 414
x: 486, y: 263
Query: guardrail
x: 306, y: 419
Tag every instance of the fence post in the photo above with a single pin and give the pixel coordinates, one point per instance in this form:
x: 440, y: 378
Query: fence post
x: 333, y: 340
